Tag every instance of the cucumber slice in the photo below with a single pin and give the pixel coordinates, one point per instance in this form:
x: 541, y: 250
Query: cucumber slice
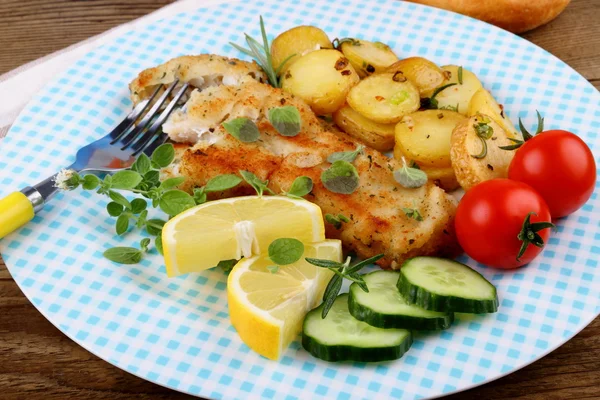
x: 341, y: 337
x: 438, y: 284
x: 385, y: 307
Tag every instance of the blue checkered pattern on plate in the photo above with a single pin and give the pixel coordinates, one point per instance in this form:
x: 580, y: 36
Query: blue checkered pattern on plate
x: 176, y: 332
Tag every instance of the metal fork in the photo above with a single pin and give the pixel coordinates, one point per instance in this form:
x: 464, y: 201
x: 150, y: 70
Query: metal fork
x: 114, y: 152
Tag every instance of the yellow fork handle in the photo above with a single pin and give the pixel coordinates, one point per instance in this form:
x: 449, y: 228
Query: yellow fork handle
x: 15, y: 211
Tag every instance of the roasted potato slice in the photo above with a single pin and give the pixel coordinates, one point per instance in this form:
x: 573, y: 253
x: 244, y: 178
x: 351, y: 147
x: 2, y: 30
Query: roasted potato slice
x: 472, y: 162
x: 423, y: 73
x: 296, y: 42
x: 367, y: 57
x: 384, y: 98
x: 322, y: 79
x: 459, y: 95
x: 373, y: 134
x: 442, y: 177
x: 483, y: 102
x: 424, y: 136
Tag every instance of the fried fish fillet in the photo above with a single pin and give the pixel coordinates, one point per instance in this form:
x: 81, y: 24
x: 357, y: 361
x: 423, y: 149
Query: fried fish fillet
x: 378, y: 223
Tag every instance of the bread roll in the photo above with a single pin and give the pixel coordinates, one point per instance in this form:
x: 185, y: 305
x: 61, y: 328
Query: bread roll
x: 513, y: 15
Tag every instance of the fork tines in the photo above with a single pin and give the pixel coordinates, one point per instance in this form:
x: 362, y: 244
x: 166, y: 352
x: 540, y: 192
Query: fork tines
x: 140, y: 137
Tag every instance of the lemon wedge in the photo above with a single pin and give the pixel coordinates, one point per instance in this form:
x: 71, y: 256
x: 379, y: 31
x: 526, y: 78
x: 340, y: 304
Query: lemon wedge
x: 267, y: 308
x: 200, y: 237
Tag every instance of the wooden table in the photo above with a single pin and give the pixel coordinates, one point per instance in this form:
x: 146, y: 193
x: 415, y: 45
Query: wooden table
x: 38, y: 361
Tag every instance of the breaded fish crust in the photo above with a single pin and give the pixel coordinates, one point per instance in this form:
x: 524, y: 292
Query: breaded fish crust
x: 377, y: 224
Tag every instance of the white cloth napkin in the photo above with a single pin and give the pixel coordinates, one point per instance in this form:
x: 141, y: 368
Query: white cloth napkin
x: 18, y: 86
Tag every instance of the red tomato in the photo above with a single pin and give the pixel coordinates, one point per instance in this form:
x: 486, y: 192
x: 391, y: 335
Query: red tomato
x: 560, y: 167
x: 490, y: 218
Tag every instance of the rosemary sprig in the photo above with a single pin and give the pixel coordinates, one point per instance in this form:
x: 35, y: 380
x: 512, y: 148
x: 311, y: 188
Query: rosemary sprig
x: 261, y: 52
x: 526, y: 135
x: 431, y: 103
x: 342, y: 271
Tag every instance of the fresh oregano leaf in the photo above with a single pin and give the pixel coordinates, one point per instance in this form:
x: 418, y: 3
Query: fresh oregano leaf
x: 222, y: 182
x: 301, y: 186
x: 349, y: 156
x: 273, y: 268
x: 119, y: 198
x: 138, y: 205
x: 340, y: 177
x: 141, y: 219
x: 122, y: 224
x: 243, y: 129
x: 144, y: 243
x: 284, y: 251
x: 199, y: 196
x: 227, y: 265
x: 409, y: 177
x: 170, y: 183
x: 126, y: 180
x: 114, y: 209
x: 141, y: 164
x: 164, y: 155
x: 175, y: 201
x: 123, y: 255
x: 286, y: 120
x: 158, y: 244
x: 154, y: 226
x: 90, y: 182
x: 255, y: 182
x: 152, y: 178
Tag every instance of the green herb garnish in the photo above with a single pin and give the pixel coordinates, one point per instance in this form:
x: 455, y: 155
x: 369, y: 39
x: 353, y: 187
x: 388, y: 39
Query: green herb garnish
x: 273, y: 268
x: 340, y: 177
x: 484, y: 132
x: 256, y: 183
x: 261, y: 52
x: 410, y: 177
x: 348, y: 156
x: 342, y: 271
x: 526, y: 135
x: 142, y: 178
x: 127, y: 255
x: 460, y: 75
x: 243, y: 129
x: 301, y: 186
x: 430, y: 102
x: 227, y: 265
x: 336, y: 221
x: 284, y: 251
x: 413, y: 213
x: 286, y: 120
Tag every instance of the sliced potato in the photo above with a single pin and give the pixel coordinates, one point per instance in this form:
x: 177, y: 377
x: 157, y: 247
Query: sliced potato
x: 322, y: 79
x: 373, y: 134
x: 423, y: 73
x: 384, y: 98
x: 424, y: 136
x: 295, y: 43
x: 483, y: 102
x: 466, y: 144
x: 458, y: 95
x: 442, y: 177
x: 368, y: 57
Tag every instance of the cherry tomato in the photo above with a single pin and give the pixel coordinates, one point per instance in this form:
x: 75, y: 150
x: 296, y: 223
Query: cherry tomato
x: 560, y: 167
x: 490, y: 223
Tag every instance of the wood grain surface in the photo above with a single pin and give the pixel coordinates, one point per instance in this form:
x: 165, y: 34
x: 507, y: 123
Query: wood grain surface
x: 38, y: 361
